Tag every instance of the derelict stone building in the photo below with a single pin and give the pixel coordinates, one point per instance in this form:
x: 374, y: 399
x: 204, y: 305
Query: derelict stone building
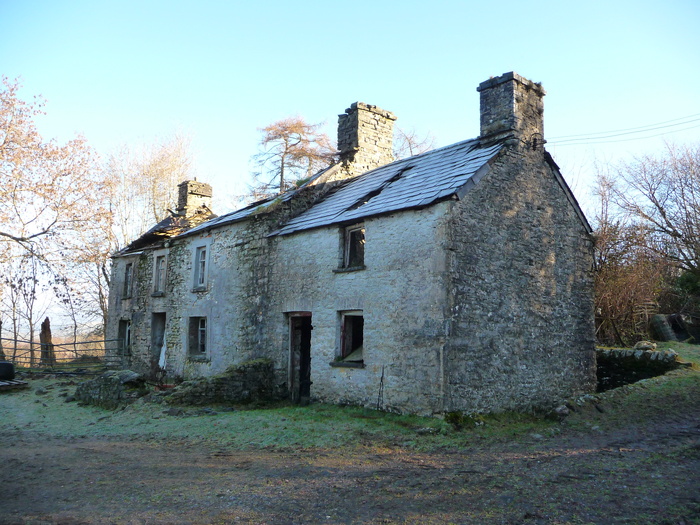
x: 458, y: 279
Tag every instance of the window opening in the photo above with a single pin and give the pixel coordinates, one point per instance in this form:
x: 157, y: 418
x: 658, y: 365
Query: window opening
x: 200, y: 267
x: 352, y: 337
x: 128, y: 278
x: 354, y: 247
x: 198, y: 336
x: 159, y: 278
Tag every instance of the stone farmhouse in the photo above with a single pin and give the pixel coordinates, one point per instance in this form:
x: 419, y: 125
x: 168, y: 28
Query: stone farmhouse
x: 455, y: 280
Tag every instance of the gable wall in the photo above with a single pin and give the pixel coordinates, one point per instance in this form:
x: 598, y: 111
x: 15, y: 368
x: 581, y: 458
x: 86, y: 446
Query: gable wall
x: 522, y: 332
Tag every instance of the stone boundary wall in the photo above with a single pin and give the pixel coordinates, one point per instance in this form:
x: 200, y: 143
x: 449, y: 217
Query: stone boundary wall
x: 111, y: 389
x: 668, y: 357
x: 623, y: 366
x: 245, y: 383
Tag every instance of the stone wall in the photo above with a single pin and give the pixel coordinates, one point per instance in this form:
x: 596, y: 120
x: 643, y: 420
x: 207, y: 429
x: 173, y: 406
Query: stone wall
x: 245, y: 383
x: 112, y: 389
x: 622, y: 366
x: 521, y: 323
x: 400, y: 293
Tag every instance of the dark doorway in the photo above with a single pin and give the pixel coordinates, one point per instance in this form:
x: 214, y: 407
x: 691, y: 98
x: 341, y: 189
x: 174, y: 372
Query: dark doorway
x: 300, y: 354
x: 157, y: 336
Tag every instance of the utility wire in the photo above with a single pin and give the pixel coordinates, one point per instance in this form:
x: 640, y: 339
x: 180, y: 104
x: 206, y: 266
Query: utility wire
x: 641, y: 128
x: 599, y: 140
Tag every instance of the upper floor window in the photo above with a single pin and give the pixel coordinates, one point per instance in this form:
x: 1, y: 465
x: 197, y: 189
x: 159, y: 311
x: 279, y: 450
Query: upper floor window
x: 354, y: 247
x: 159, y: 275
x: 128, y: 280
x: 200, y: 268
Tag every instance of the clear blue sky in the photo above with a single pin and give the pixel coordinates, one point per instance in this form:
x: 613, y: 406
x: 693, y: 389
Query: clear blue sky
x: 134, y: 71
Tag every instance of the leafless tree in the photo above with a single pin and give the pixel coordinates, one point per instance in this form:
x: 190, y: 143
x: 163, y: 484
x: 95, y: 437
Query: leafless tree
x: 408, y: 143
x: 47, y: 191
x: 663, y: 194
x: 141, y: 185
x: 629, y: 277
x: 290, y: 150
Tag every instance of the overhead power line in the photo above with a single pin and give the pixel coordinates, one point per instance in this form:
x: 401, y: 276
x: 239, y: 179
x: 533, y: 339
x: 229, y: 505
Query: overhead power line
x: 604, y: 136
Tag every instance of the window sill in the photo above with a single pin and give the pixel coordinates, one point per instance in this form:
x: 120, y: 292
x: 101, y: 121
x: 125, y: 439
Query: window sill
x: 347, y: 364
x: 351, y: 269
x: 199, y: 289
x: 158, y: 294
x: 198, y: 358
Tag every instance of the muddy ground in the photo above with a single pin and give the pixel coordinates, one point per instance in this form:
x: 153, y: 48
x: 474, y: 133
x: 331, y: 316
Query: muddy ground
x: 599, y: 465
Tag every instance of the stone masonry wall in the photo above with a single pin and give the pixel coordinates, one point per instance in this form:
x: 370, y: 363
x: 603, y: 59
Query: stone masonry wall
x: 522, y: 333
x: 401, y: 295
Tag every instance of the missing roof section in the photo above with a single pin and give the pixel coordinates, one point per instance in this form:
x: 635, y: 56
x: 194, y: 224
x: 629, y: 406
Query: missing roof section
x: 364, y: 200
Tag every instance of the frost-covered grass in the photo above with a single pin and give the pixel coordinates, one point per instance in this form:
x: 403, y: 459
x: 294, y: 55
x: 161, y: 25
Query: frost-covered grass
x: 41, y: 410
x: 279, y: 427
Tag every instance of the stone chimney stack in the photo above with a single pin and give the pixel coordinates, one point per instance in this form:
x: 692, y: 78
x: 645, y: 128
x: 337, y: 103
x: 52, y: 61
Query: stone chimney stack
x: 192, y: 196
x: 512, y: 106
x: 365, y: 138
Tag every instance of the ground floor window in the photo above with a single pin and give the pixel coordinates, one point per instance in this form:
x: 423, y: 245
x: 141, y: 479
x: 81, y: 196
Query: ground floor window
x: 198, y: 336
x: 125, y: 336
x: 352, y: 325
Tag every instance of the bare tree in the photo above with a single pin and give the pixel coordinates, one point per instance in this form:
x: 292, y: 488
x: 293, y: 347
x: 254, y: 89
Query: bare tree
x: 141, y: 186
x: 139, y: 189
x: 630, y: 278
x: 663, y: 194
x: 408, y: 143
x: 46, y: 190
x: 290, y: 150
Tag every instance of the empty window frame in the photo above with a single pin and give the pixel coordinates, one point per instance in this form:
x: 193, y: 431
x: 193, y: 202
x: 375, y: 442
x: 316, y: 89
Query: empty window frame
x: 128, y: 280
x: 354, y: 246
x: 159, y: 275
x: 352, y: 325
x: 198, y: 336
x: 200, y: 268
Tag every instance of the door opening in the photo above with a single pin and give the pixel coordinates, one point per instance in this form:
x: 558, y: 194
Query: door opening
x: 158, y: 346
x: 300, y: 357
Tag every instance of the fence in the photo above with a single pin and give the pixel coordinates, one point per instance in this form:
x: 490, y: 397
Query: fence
x: 87, y: 357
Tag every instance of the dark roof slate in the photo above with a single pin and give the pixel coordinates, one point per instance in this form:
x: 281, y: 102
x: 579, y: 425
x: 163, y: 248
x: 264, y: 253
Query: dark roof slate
x: 408, y: 183
x: 171, y: 226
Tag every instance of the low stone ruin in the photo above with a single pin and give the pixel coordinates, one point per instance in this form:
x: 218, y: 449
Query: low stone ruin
x: 248, y: 382
x: 112, y: 389
x: 245, y: 383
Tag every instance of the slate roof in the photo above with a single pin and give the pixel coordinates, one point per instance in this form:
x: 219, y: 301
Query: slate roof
x: 254, y: 208
x: 169, y: 227
x: 413, y: 182
x: 408, y: 183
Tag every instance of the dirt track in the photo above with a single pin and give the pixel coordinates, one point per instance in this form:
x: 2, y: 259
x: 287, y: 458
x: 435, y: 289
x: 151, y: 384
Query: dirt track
x: 646, y: 471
